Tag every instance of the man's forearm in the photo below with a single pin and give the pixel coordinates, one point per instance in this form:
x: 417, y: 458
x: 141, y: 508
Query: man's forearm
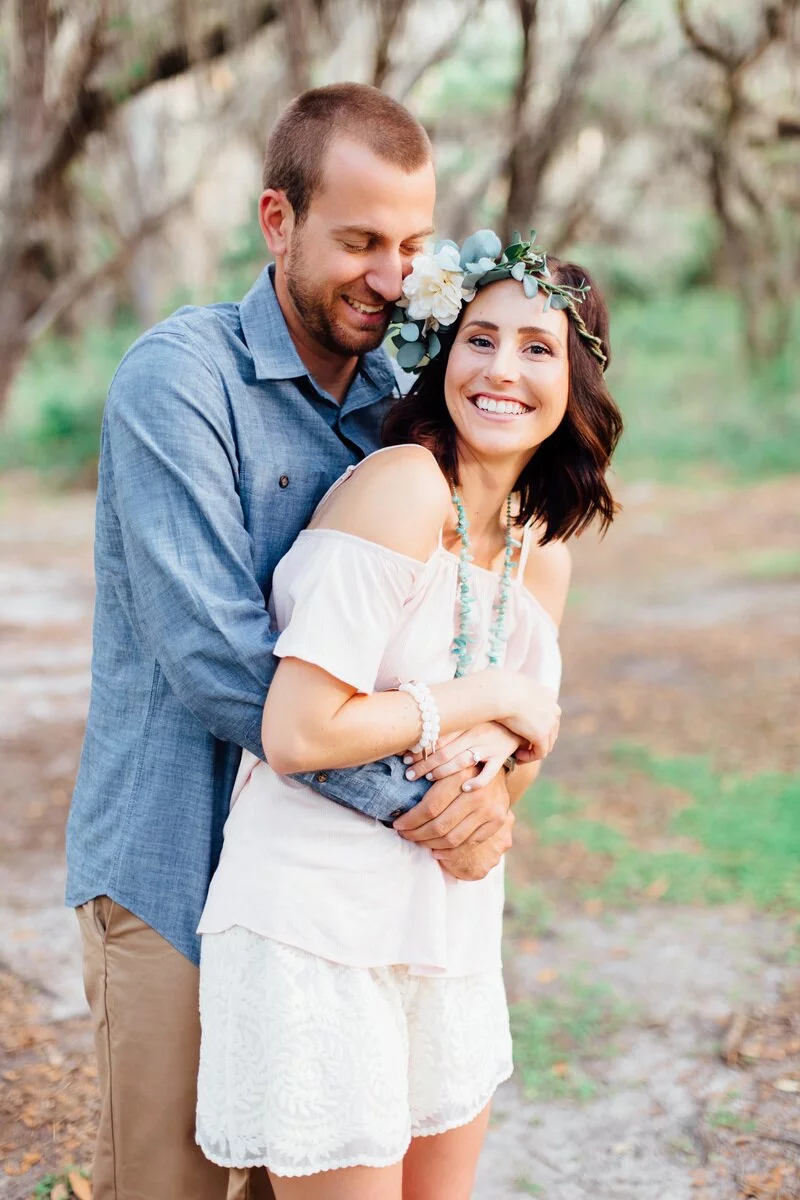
x: 521, y: 778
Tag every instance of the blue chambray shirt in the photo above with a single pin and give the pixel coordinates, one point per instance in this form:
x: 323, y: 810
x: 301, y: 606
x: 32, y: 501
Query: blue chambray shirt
x: 216, y: 447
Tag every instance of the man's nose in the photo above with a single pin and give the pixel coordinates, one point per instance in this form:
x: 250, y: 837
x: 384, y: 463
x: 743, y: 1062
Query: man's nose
x: 385, y: 275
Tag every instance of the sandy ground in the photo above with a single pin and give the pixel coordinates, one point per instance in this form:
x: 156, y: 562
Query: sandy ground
x: 677, y: 638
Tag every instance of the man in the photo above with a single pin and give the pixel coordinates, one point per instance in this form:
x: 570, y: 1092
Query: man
x: 224, y: 426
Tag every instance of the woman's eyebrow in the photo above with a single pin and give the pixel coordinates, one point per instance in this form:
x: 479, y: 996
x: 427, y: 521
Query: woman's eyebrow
x: 525, y: 330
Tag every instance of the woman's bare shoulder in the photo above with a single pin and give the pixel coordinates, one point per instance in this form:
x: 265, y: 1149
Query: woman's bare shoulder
x: 547, y: 575
x: 398, y: 498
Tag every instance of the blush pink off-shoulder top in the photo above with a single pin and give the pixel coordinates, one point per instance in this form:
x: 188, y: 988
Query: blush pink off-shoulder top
x: 313, y: 874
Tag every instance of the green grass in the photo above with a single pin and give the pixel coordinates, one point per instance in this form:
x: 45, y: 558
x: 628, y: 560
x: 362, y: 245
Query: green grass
x: 554, y: 1032
x: 527, y: 913
x: 725, y: 1118
x: 527, y: 1186
x: 773, y: 564
x: 746, y: 830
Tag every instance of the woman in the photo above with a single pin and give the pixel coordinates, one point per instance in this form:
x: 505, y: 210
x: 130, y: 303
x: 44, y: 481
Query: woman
x: 351, y: 991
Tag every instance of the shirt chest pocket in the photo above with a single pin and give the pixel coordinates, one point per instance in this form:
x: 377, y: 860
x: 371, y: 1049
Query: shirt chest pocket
x: 278, y: 495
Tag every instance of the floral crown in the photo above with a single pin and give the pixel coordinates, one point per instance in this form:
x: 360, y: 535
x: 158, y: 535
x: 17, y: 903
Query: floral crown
x: 441, y: 282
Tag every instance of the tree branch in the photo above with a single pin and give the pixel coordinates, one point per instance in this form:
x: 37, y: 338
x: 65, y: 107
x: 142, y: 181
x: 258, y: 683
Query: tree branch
x: 534, y: 149
x: 296, y: 35
x: 94, y: 107
x: 441, y: 51
x: 390, y: 14
x: 82, y: 283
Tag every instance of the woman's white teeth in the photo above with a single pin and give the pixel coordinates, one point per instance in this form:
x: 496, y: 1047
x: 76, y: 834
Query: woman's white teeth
x: 371, y: 309
x: 500, y: 406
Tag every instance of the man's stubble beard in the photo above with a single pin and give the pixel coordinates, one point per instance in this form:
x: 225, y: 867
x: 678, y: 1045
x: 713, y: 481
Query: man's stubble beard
x: 317, y: 316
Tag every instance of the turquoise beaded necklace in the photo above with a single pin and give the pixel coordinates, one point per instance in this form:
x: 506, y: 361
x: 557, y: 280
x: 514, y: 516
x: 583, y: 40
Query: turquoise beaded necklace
x: 497, y: 631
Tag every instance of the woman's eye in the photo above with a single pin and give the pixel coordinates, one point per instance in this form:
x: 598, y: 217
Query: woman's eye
x: 483, y: 343
x: 538, y: 348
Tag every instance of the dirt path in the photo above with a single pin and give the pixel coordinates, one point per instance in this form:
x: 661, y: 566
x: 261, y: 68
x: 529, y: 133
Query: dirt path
x: 683, y: 636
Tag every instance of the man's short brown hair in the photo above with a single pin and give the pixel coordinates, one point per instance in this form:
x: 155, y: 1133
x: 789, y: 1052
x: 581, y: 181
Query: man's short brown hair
x: 297, y: 145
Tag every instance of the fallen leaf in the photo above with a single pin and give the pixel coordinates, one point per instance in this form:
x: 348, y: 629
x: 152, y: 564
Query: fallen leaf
x: 546, y: 975
x: 657, y: 889
x: 29, y: 1159
x: 733, y: 1038
x: 787, y: 1085
x: 560, y: 1069
x: 593, y: 908
x: 80, y: 1186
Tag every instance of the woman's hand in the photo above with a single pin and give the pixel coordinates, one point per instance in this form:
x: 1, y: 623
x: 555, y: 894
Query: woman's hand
x: 489, y: 744
x: 532, y: 712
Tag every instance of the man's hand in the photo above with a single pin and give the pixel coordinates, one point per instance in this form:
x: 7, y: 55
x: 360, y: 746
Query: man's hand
x: 448, y: 817
x: 472, y: 862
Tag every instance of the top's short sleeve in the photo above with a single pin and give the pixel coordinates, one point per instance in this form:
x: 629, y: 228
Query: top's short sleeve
x: 337, y: 599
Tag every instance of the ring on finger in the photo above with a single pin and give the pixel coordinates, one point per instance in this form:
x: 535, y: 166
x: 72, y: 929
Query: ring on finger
x: 476, y: 756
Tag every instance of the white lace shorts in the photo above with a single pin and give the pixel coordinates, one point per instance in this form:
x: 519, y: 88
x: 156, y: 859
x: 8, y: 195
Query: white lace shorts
x: 307, y: 1065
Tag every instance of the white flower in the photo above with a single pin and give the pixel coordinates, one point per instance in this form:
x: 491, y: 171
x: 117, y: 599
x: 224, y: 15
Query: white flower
x: 433, y: 289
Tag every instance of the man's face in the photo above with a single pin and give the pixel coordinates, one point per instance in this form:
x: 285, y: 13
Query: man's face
x: 346, y: 261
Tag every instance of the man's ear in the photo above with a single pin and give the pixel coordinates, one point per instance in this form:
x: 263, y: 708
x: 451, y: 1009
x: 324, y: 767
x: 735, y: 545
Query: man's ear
x: 276, y: 218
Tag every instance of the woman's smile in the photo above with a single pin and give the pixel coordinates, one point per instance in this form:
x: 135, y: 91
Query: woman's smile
x: 497, y: 407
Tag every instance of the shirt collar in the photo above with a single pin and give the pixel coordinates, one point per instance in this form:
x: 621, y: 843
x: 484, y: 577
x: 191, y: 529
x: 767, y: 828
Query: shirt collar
x: 274, y: 353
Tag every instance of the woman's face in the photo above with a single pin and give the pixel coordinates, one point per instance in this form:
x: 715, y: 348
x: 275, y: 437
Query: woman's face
x: 507, y: 379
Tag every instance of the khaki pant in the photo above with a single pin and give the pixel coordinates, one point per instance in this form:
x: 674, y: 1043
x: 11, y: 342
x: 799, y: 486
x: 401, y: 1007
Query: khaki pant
x: 143, y: 995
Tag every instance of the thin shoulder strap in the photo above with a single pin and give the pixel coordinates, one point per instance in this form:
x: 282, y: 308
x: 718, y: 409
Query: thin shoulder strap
x: 344, y: 478
x: 336, y: 483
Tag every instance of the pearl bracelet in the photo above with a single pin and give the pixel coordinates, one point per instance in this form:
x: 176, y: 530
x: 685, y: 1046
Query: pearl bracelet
x: 429, y: 716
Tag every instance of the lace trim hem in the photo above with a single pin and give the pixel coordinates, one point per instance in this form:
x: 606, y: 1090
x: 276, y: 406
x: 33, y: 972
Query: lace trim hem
x: 360, y: 1160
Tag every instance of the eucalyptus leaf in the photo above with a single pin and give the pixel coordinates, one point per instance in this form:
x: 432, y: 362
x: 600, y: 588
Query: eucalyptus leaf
x: 518, y: 270
x: 547, y: 302
x: 495, y: 275
x: 516, y: 238
x: 399, y: 315
x: 483, y: 244
x: 398, y: 341
x: 410, y: 331
x: 410, y: 354
x: 445, y: 242
x: 530, y: 286
x: 434, y: 345
x: 557, y: 301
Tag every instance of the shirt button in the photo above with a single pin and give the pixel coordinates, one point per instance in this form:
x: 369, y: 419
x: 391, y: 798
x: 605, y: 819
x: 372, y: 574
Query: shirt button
x: 398, y: 812
x: 322, y: 777
x: 283, y: 481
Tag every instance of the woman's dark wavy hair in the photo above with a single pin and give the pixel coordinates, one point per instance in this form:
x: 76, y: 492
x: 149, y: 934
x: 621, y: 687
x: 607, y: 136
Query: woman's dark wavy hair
x: 563, y: 487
